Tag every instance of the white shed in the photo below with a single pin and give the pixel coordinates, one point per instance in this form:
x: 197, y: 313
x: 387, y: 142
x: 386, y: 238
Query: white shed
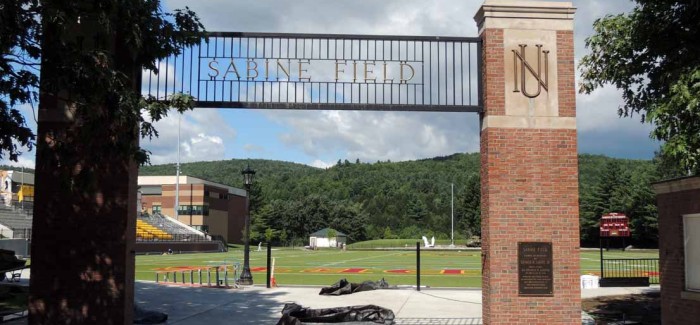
x: 321, y: 239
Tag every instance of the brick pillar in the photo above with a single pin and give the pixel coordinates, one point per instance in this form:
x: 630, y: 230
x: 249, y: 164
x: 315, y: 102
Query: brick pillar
x: 85, y: 203
x: 529, y: 174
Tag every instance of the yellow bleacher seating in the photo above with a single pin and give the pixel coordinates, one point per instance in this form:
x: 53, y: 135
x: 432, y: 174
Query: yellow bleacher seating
x: 145, y: 230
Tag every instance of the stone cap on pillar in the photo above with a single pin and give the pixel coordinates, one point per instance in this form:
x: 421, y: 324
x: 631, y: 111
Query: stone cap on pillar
x: 529, y: 64
x: 541, y: 15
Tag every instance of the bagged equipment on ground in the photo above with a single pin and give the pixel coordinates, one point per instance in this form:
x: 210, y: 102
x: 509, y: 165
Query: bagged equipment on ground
x: 293, y: 314
x: 343, y: 287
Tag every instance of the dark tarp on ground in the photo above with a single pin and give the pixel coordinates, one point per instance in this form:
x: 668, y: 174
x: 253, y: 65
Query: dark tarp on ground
x: 142, y: 316
x: 294, y: 314
x: 343, y: 287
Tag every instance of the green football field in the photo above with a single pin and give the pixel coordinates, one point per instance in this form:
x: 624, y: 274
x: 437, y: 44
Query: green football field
x: 325, y: 267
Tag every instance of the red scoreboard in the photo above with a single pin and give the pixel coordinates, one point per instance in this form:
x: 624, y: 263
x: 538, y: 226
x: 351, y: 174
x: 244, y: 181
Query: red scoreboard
x: 614, y: 225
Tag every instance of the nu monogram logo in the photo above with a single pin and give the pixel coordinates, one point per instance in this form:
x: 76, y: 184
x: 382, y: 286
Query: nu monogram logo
x: 525, y: 66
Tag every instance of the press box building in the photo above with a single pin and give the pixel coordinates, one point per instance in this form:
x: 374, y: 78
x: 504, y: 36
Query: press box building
x: 213, y: 208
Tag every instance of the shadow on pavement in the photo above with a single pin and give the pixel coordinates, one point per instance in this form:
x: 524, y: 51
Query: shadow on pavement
x: 187, y: 305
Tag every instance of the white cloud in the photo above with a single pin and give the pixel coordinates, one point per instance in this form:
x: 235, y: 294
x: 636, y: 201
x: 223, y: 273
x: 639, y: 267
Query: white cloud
x: 321, y: 164
x: 372, y: 136
x: 161, y: 84
x: 27, y: 160
x: 203, y: 134
x: 599, y: 111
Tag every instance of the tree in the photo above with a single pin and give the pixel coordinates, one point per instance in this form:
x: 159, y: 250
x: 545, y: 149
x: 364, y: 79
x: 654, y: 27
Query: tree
x: 653, y: 56
x: 609, y: 194
x: 667, y: 167
x: 89, y: 71
x: 387, y: 233
x: 332, y: 234
x: 19, y: 55
x: 283, y: 237
x: 349, y: 218
x: 468, y: 208
x: 270, y: 234
x: 643, y: 212
x: 417, y: 209
x: 92, y: 56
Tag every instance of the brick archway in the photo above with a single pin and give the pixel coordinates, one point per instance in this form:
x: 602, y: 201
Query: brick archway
x: 529, y: 173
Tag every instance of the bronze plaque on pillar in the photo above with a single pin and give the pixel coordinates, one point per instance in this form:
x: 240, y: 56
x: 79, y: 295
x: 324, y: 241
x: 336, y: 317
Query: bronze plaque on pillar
x: 535, y: 269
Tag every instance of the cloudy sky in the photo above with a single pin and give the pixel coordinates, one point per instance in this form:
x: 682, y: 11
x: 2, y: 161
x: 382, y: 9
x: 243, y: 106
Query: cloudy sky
x: 320, y: 138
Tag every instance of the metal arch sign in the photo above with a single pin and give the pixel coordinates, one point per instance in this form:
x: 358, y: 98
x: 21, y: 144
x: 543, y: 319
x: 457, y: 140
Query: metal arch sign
x: 323, y: 71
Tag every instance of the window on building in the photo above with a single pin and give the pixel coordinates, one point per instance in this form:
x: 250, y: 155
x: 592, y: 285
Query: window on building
x: 691, y: 226
x: 156, y: 209
x: 204, y: 228
x: 184, y: 209
x: 193, y: 210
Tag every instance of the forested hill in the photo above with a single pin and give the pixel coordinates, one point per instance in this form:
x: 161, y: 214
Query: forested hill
x: 412, y: 198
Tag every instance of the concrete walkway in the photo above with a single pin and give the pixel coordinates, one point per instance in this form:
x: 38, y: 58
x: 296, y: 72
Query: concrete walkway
x: 258, y: 305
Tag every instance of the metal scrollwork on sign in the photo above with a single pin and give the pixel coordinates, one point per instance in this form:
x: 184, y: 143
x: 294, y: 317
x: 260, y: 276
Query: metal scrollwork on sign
x: 542, y: 81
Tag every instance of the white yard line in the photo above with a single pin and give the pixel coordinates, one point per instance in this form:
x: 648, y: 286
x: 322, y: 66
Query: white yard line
x: 359, y: 259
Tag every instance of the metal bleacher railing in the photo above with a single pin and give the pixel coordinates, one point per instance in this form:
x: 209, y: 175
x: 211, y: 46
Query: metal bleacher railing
x: 166, y: 229
x: 16, y: 219
x: 16, y: 222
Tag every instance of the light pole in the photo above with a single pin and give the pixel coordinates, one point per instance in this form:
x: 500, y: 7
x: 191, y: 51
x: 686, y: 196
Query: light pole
x: 246, y: 276
x: 452, y: 207
x: 177, y: 174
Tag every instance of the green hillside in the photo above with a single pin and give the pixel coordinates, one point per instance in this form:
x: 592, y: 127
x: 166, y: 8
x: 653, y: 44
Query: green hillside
x: 384, y: 200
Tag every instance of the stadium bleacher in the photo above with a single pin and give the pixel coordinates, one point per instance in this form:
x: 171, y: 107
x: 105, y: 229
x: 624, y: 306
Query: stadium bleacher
x: 157, y: 227
x: 162, y: 227
x: 17, y: 220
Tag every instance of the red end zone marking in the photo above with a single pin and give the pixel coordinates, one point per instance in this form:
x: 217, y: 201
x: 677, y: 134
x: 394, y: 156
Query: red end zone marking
x: 353, y: 270
x: 258, y: 269
x: 179, y: 268
x: 317, y: 270
x: 451, y: 271
x: 400, y: 271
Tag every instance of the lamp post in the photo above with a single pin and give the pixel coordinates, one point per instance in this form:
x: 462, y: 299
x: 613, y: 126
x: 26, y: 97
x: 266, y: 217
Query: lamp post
x: 246, y: 276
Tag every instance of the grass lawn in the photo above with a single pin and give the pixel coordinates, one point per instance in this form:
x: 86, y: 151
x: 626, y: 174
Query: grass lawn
x: 325, y: 267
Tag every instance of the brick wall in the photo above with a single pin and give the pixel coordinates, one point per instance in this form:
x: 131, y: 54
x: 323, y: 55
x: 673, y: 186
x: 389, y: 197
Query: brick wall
x: 494, y: 76
x: 566, y: 71
x: 529, y: 193
x: 674, y: 308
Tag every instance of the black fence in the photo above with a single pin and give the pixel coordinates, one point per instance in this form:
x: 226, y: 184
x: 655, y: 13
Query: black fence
x: 631, y: 268
x: 325, y: 71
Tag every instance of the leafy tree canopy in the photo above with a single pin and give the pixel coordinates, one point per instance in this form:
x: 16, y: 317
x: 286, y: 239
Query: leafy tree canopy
x: 653, y: 55
x: 88, y: 50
